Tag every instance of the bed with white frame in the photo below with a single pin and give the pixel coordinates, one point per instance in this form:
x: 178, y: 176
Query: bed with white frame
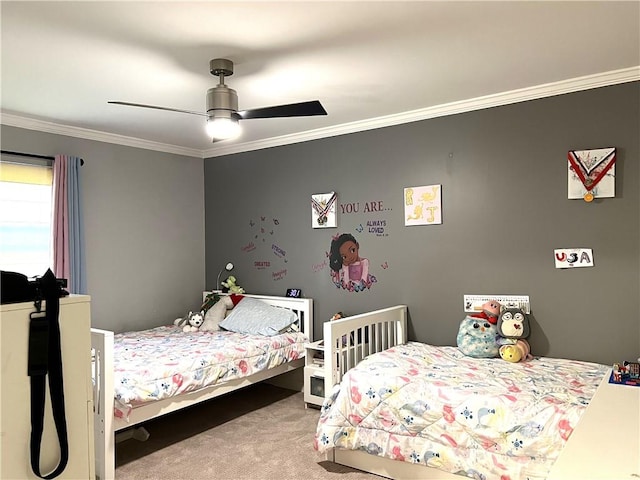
x: 350, y: 340
x: 106, y: 424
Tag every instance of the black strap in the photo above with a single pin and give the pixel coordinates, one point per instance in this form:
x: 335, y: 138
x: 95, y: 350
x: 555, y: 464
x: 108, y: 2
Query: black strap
x: 45, y: 358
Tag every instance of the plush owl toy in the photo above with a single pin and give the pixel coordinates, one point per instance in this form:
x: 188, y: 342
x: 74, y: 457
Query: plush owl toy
x: 477, y: 338
x: 513, y: 323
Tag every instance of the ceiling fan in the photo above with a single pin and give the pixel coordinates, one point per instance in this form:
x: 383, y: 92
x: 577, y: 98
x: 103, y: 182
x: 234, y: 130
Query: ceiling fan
x: 222, y: 112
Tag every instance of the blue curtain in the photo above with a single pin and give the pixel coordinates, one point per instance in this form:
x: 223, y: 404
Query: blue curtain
x: 77, y: 265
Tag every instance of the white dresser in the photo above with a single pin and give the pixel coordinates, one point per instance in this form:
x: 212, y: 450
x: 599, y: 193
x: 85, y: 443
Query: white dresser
x: 605, y: 445
x: 15, y: 423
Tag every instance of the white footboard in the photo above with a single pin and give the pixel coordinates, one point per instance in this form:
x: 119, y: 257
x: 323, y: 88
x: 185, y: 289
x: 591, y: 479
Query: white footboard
x: 102, y: 370
x: 349, y: 340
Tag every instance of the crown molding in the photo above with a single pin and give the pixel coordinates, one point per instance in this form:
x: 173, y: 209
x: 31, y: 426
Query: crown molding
x: 587, y: 82
x: 88, y: 134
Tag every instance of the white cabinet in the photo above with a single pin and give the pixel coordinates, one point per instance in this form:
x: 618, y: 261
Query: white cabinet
x: 314, y: 374
x: 15, y: 406
x: 605, y: 444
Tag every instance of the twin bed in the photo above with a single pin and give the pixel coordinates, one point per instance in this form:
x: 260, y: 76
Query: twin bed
x: 399, y: 409
x: 139, y: 376
x: 409, y: 410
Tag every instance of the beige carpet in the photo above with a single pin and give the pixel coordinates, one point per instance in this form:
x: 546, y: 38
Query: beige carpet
x: 259, y: 433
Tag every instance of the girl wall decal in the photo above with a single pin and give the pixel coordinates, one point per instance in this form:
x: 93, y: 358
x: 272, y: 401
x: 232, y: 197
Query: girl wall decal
x: 349, y: 270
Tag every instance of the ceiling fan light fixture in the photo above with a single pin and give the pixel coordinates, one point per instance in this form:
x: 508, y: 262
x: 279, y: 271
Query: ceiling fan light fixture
x: 223, y: 128
x: 222, y: 106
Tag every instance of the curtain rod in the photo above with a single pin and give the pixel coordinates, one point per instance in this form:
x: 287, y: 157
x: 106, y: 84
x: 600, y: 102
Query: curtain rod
x: 32, y: 155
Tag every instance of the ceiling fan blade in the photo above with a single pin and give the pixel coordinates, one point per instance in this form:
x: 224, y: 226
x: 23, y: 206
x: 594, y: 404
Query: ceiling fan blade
x: 303, y: 109
x: 128, y: 104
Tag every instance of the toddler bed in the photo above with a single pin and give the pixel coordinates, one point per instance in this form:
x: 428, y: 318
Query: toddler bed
x: 412, y: 410
x: 142, y: 375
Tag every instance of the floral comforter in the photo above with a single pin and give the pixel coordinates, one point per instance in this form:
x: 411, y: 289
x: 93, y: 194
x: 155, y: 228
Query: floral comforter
x: 481, y: 418
x: 165, y: 361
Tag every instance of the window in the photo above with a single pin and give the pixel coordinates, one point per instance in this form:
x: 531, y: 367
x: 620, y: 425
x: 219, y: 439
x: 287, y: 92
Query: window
x: 25, y: 216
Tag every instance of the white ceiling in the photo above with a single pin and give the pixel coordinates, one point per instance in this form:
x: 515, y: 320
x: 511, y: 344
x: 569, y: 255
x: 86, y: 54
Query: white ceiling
x: 371, y: 64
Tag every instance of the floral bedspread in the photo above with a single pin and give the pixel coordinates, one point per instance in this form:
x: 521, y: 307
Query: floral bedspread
x: 165, y: 361
x: 481, y: 418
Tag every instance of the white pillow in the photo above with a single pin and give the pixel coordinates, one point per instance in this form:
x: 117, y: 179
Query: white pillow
x: 253, y: 316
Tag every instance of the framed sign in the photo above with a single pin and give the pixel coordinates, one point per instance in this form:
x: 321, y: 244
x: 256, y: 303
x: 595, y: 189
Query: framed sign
x: 323, y: 210
x: 423, y: 205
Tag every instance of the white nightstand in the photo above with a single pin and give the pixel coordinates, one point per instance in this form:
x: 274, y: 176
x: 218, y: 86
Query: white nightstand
x: 314, y: 374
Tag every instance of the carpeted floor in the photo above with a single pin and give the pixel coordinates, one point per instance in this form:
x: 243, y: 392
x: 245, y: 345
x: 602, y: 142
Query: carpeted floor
x: 260, y: 433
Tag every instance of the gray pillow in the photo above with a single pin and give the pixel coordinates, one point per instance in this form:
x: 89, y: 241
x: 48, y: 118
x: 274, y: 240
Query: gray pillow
x: 253, y: 316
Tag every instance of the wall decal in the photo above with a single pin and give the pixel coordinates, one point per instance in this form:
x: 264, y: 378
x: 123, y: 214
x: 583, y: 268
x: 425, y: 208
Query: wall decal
x: 377, y: 227
x: 349, y: 270
x: 323, y: 210
x: 267, y: 252
x: 423, y: 205
x: 592, y: 173
x: 371, y: 206
x: 573, y: 257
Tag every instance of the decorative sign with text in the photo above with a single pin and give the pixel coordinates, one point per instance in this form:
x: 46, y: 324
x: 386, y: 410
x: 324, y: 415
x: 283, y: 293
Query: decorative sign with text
x: 573, y: 257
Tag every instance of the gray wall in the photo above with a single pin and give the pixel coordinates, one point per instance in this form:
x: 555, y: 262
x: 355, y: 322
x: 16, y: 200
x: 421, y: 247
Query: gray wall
x: 503, y: 173
x: 144, y: 218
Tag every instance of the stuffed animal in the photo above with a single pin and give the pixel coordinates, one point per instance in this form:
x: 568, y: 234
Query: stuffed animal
x: 209, y: 300
x: 230, y: 285
x: 490, y: 311
x: 477, y: 338
x: 513, y: 323
x: 516, y: 352
x: 338, y: 316
x: 217, y: 312
x: 190, y: 322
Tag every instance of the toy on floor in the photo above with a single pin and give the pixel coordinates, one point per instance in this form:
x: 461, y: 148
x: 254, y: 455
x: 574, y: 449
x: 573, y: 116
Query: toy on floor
x: 190, y: 322
x: 516, y: 352
x: 490, y: 311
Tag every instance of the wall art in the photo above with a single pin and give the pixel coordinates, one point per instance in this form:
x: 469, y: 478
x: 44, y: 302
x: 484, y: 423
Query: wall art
x: 323, y: 210
x: 573, y: 257
x: 423, y: 205
x: 592, y: 173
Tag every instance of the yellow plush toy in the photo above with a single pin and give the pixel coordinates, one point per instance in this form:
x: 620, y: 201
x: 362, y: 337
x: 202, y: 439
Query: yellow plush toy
x: 516, y: 352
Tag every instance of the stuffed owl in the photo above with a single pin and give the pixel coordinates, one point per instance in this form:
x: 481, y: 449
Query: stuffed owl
x: 477, y: 338
x: 513, y: 323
